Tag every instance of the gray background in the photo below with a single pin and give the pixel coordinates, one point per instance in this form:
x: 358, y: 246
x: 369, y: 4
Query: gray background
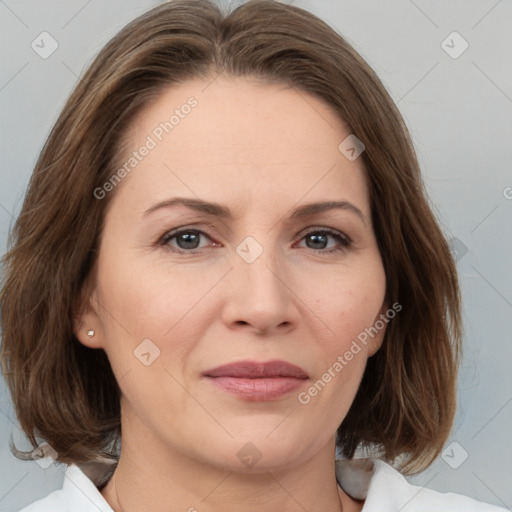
x: 459, y: 112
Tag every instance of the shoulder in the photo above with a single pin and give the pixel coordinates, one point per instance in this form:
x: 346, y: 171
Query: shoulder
x: 78, y: 492
x: 384, y: 489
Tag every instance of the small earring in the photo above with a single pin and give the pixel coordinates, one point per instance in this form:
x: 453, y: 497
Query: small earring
x: 90, y: 333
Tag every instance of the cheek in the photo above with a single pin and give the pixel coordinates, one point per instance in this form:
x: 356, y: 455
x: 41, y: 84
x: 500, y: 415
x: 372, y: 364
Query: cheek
x: 156, y: 302
x: 147, y: 299
x: 350, y: 303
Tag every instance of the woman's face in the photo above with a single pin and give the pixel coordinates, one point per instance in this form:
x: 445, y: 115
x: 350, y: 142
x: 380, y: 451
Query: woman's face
x: 275, y: 262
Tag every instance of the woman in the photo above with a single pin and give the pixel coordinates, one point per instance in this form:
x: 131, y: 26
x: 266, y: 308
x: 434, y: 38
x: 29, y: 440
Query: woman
x: 225, y: 269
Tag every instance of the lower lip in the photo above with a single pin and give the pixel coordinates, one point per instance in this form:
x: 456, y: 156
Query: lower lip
x: 259, y: 389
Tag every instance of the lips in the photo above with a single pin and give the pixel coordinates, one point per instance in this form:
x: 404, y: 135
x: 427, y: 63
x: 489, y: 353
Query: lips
x: 255, y: 370
x: 258, y: 381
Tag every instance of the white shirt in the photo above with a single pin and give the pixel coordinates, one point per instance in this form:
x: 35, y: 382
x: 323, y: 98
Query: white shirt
x: 382, y: 487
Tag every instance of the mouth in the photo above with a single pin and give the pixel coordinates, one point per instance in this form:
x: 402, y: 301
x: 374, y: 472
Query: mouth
x: 258, y: 381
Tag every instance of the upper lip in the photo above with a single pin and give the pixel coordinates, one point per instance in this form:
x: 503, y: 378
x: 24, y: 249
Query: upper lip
x: 255, y: 370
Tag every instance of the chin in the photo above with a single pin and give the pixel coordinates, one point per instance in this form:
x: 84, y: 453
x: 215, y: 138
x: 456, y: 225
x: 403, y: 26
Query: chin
x: 259, y: 450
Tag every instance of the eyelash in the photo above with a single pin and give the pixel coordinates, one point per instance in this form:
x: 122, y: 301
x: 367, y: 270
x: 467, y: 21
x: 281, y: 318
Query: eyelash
x: 343, y: 240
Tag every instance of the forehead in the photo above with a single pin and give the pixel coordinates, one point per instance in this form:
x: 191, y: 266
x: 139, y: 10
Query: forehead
x: 234, y: 134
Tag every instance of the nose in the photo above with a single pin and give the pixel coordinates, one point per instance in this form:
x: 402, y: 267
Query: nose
x: 260, y: 297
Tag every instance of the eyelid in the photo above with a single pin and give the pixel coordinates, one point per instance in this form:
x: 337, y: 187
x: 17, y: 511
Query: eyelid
x: 326, y: 229
x: 198, y: 226
x: 168, y: 235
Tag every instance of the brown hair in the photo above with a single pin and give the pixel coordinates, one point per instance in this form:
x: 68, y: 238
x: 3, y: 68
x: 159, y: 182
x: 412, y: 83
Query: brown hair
x: 65, y: 392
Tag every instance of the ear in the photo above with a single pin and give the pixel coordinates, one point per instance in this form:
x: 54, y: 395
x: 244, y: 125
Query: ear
x: 381, y: 324
x: 86, y: 319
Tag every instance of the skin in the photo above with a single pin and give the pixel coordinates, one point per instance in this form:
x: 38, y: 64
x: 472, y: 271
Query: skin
x: 262, y: 151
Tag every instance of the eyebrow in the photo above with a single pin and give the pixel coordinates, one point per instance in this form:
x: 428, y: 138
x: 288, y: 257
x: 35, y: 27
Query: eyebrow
x: 217, y: 210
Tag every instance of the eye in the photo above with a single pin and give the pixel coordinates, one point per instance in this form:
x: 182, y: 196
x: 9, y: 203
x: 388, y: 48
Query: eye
x: 319, y: 240
x: 187, y: 240
x: 184, y: 240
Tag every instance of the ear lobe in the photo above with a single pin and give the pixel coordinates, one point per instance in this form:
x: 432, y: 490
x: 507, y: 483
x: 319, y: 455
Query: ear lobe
x: 87, y: 321
x: 376, y: 343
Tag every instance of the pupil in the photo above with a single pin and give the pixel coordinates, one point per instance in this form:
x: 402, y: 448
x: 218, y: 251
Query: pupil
x: 321, y: 239
x: 188, y: 240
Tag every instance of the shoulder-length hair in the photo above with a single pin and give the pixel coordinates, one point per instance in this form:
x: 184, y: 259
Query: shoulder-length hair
x: 65, y: 392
